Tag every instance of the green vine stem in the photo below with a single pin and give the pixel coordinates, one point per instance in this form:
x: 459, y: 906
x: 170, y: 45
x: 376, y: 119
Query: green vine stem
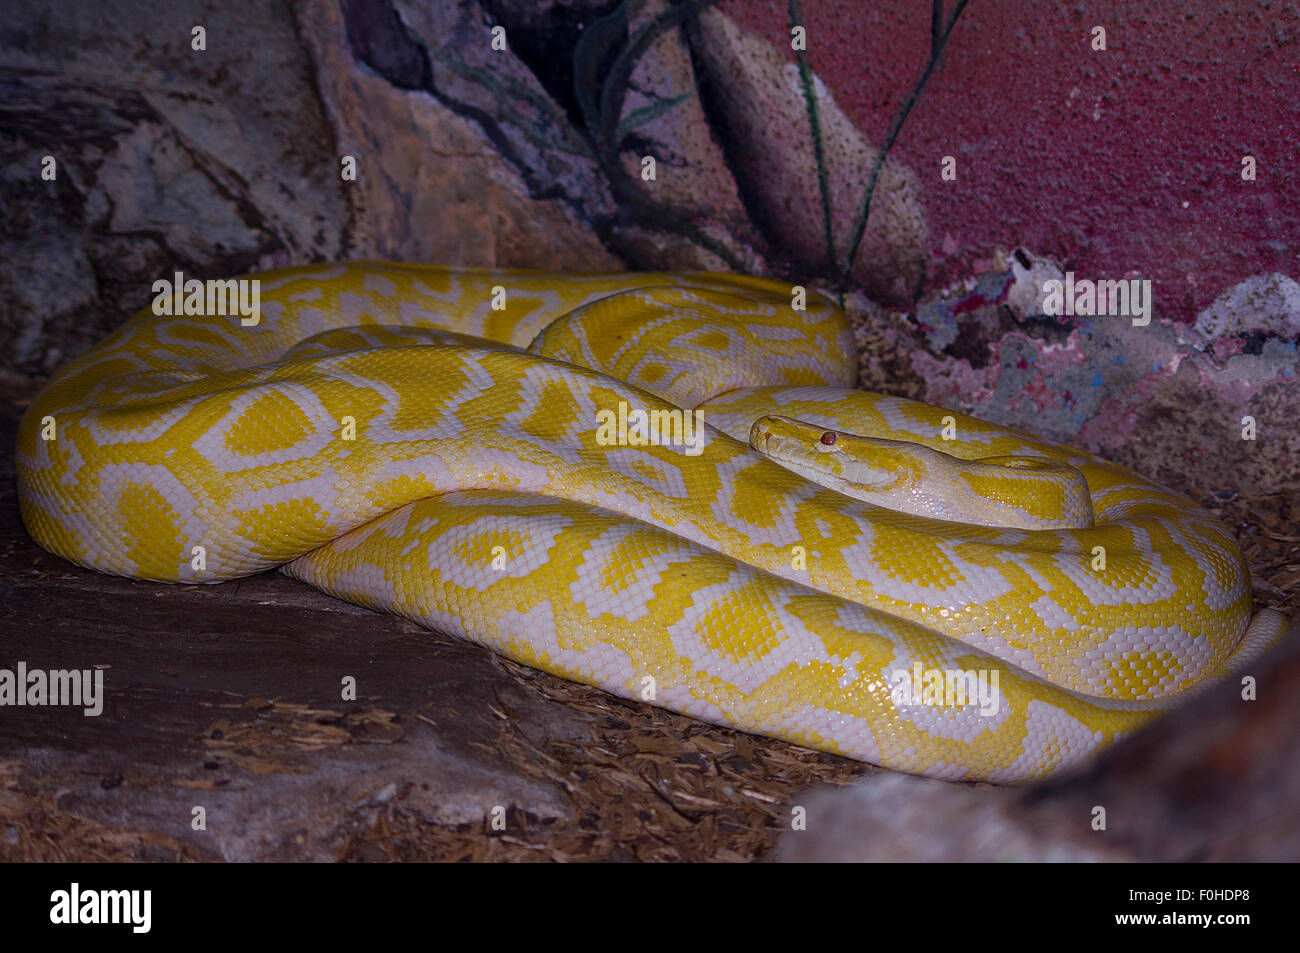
x: 938, y: 40
x: 814, y: 124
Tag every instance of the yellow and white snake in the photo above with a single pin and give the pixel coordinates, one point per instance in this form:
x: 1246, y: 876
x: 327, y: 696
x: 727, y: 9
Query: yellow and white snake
x: 494, y: 454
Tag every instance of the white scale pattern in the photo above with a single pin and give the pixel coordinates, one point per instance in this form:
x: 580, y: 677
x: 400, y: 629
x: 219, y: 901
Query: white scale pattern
x: 503, y: 448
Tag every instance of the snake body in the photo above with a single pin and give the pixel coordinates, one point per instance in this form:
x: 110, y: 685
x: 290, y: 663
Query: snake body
x: 803, y: 569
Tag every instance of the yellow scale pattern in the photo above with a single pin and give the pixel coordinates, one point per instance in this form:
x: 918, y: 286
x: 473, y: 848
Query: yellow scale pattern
x: 473, y: 495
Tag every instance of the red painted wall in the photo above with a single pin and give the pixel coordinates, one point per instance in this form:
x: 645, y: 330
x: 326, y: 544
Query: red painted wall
x: 1123, y: 162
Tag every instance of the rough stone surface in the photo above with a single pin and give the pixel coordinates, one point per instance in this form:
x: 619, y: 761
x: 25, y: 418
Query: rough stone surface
x: 1165, y: 399
x: 166, y: 157
x: 692, y: 175
x: 759, y: 98
x: 687, y: 216
x: 1267, y: 305
x: 433, y: 184
x: 220, y: 161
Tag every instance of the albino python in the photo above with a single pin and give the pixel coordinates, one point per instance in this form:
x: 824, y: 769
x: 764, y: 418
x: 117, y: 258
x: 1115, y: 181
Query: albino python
x: 853, y: 572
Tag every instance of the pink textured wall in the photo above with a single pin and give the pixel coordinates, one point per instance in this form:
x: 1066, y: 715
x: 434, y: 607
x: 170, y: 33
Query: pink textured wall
x: 1116, y: 162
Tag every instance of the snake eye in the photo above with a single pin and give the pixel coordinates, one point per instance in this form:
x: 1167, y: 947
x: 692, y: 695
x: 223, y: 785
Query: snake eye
x: 828, y: 438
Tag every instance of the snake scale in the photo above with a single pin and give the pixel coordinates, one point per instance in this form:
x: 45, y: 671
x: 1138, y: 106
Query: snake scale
x: 510, y: 457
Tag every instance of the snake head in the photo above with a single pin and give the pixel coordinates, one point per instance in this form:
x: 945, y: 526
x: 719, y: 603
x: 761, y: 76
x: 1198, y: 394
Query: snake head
x: 1021, y: 492
x: 836, y: 459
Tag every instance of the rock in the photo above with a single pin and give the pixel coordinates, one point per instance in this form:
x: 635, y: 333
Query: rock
x: 218, y: 163
x: 149, y: 184
x: 166, y: 157
x: 1268, y: 303
x: 896, y: 817
x: 1027, y: 294
x: 692, y: 180
x: 687, y: 216
x: 432, y: 185
x: 759, y: 98
x: 1161, y: 398
x: 498, y: 93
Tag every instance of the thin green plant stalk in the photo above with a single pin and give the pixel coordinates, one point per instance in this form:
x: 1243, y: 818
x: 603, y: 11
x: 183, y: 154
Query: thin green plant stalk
x: 938, y: 40
x: 814, y: 125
